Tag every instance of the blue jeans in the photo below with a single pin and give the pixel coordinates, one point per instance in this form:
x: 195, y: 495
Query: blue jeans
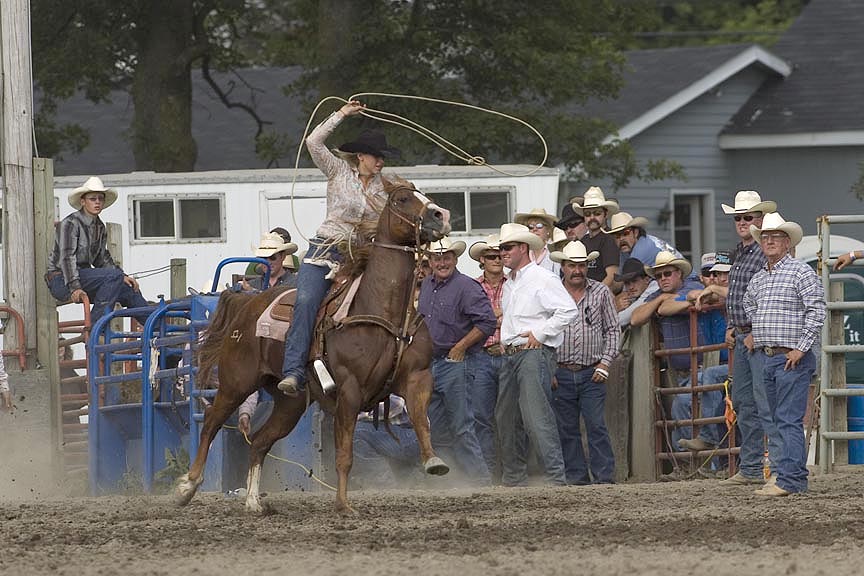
x: 787, y: 391
x: 484, y: 395
x: 380, y: 460
x: 751, y: 406
x: 451, y: 417
x: 312, y: 287
x: 577, y: 396
x: 105, y: 288
x: 525, y: 390
x: 712, y: 405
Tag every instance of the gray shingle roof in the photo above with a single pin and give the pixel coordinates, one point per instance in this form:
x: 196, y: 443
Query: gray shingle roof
x: 825, y: 46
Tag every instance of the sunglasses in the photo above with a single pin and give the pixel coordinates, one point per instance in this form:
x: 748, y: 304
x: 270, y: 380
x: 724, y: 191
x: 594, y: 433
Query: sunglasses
x: 506, y: 247
x: 537, y: 226
x: 746, y: 217
x: 711, y: 274
x: 492, y: 257
x: 275, y: 256
x: 594, y: 213
x: 666, y: 273
x: 624, y: 232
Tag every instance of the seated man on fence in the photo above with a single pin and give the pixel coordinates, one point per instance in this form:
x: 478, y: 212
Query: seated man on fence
x: 81, y: 263
x: 638, y: 286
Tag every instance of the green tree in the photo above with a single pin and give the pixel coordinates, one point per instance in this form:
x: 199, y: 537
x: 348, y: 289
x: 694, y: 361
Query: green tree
x: 145, y: 47
x: 539, y: 61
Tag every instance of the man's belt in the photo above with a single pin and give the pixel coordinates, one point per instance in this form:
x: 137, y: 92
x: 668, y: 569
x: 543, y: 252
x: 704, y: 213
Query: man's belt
x: 576, y: 367
x: 494, y: 350
x: 745, y: 330
x: 511, y: 349
x: 775, y: 350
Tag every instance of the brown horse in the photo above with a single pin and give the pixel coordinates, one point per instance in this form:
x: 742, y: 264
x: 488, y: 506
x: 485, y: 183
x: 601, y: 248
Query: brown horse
x: 362, y: 353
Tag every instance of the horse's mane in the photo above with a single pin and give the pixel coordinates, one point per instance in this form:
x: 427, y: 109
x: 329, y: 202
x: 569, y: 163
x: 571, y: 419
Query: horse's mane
x: 211, y: 341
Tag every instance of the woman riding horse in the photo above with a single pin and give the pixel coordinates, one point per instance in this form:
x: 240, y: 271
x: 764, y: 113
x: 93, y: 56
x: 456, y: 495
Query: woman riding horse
x: 355, y: 192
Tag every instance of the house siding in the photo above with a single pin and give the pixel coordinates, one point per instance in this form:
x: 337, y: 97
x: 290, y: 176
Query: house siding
x: 805, y: 182
x: 690, y: 137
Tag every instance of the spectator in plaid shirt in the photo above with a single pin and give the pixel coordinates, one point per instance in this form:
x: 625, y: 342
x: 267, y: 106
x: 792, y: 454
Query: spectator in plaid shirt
x: 579, y: 391
x: 484, y: 390
x: 748, y: 392
x: 785, y: 302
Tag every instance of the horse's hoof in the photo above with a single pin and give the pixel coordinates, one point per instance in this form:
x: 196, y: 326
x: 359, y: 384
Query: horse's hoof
x: 436, y: 466
x: 184, y: 491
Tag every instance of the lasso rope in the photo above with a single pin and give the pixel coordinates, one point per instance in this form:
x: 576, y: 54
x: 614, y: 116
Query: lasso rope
x: 432, y: 136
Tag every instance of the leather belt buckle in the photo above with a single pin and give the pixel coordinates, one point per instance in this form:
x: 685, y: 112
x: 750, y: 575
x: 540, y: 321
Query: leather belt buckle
x: 775, y: 350
x: 746, y: 330
x: 510, y: 349
x: 494, y: 350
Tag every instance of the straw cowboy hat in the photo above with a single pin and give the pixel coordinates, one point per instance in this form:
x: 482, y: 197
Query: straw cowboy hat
x: 478, y: 249
x: 623, y: 220
x: 512, y: 232
x: 664, y: 259
x: 774, y: 221
x: 93, y: 184
x: 371, y: 142
x: 749, y: 201
x: 446, y: 245
x: 594, y: 198
x: 271, y: 243
x: 536, y: 214
x: 575, y: 252
x: 559, y: 240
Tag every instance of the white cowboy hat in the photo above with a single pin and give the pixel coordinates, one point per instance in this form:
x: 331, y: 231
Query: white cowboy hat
x: 559, y: 240
x: 774, y: 221
x: 446, y: 245
x: 93, y: 184
x: 478, y: 249
x: 594, y: 198
x: 749, y: 201
x: 574, y: 252
x: 623, y: 220
x: 537, y: 214
x: 271, y: 243
x: 664, y: 259
x: 512, y: 232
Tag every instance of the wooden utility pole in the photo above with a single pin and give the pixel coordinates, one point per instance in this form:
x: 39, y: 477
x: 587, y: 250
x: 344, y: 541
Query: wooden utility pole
x: 17, y: 156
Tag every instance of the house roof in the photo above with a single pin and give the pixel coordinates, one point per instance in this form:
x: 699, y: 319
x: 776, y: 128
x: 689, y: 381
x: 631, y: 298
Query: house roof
x: 821, y: 100
x: 225, y: 137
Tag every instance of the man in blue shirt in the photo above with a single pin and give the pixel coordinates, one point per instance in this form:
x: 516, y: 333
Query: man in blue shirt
x: 634, y: 242
x: 460, y: 319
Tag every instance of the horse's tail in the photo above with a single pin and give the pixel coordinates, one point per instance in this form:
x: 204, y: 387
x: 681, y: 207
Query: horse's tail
x: 211, y: 344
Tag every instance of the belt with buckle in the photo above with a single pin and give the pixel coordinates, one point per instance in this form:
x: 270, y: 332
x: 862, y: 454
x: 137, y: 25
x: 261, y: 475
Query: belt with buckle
x: 576, y: 367
x: 775, y: 350
x: 511, y: 349
x: 745, y: 330
x: 494, y: 350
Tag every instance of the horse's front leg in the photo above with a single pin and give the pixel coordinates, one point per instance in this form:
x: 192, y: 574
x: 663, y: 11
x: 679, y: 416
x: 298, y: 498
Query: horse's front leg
x: 418, y: 393
x: 347, y: 408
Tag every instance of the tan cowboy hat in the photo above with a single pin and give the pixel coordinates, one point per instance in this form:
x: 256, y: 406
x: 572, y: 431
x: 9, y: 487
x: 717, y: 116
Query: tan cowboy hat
x: 446, y: 245
x: 93, y: 184
x: 574, y: 252
x: 749, y: 201
x: 774, y: 221
x: 478, y: 249
x: 594, y: 198
x: 512, y: 232
x: 559, y: 240
x: 537, y: 214
x: 271, y: 243
x: 623, y: 220
x: 664, y: 259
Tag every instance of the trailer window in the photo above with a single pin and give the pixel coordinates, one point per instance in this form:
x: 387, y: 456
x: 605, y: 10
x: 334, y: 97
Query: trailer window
x: 474, y: 210
x: 189, y: 218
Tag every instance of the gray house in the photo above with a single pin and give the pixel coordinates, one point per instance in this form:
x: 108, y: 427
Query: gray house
x: 787, y: 121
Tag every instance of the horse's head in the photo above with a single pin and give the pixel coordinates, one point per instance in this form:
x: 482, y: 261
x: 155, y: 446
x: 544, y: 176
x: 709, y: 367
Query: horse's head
x: 408, y: 214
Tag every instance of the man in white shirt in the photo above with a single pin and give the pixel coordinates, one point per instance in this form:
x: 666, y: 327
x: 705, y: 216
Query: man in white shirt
x: 536, y: 308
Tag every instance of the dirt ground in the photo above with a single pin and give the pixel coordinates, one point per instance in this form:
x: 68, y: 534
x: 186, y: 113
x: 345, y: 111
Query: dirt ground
x: 665, y: 528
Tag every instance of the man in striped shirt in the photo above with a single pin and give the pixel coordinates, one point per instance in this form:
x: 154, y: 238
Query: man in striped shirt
x: 785, y: 303
x: 590, y: 344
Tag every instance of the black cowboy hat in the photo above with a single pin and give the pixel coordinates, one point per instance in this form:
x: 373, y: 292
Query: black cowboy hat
x: 568, y: 215
x: 632, y: 268
x: 371, y: 142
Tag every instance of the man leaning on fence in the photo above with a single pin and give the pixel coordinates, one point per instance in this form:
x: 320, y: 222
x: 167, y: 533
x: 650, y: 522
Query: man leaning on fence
x: 785, y: 302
